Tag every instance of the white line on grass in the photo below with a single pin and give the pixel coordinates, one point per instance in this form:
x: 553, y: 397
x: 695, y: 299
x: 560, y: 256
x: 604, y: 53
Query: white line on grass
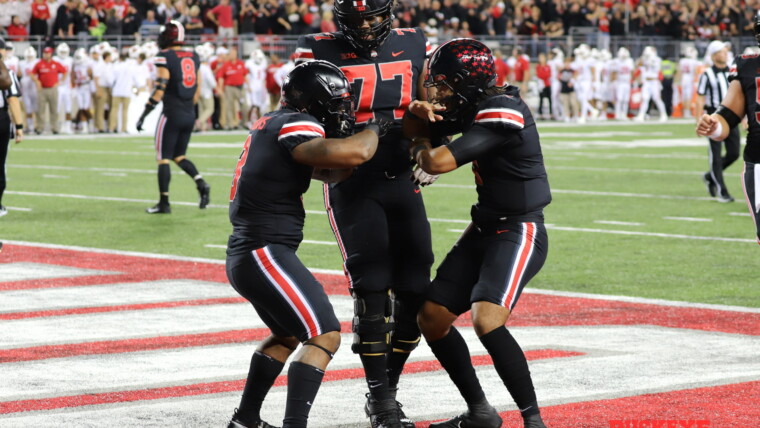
x: 653, y: 234
x: 145, y: 153
x: 455, y: 230
x: 595, y: 193
x: 340, y: 272
x: 597, y: 155
x: 741, y: 214
x: 439, y: 220
x: 117, y: 172
x: 18, y: 209
x: 55, y: 176
x: 619, y: 223
x: 632, y: 170
x: 114, y: 174
x: 305, y: 241
x: 695, y: 219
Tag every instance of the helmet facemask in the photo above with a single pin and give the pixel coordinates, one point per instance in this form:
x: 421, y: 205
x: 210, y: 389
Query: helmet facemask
x: 361, y: 37
x: 445, y: 94
x: 339, y: 118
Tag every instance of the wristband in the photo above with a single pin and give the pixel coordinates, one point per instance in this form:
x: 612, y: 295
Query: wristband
x: 417, y: 149
x: 717, y: 133
x: 19, y: 126
x: 731, y: 118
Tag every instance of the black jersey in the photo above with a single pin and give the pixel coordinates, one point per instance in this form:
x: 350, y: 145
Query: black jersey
x: 265, y: 200
x: 384, y: 84
x: 183, y: 69
x: 500, y: 139
x: 746, y: 69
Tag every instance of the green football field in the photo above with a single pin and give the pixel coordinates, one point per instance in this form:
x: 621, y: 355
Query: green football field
x: 630, y: 214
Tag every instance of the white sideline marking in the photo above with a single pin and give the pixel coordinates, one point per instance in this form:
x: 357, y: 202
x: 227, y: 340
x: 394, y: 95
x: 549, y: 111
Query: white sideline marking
x: 54, y: 176
x: 741, y: 214
x: 619, y: 223
x: 455, y: 230
x: 597, y: 155
x: 697, y: 219
x: 18, y: 209
x: 670, y: 142
x: 659, y: 235
x: 24, y: 271
x: 604, y: 134
x: 341, y: 273
x: 114, y: 174
x: 106, y: 198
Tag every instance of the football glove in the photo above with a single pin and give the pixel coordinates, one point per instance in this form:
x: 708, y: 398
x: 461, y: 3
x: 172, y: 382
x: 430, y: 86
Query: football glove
x: 379, y: 126
x: 422, y: 178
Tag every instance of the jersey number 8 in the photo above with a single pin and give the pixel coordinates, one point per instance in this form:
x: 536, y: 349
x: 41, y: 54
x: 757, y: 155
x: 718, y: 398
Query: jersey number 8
x: 188, y: 72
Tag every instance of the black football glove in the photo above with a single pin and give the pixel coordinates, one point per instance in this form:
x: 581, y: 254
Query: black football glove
x: 379, y: 126
x: 139, y: 124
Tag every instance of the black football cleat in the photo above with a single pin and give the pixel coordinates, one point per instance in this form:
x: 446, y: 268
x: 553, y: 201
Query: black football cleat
x: 487, y: 418
x: 534, y: 421
x: 383, y: 414
x: 405, y: 421
x: 159, y: 209
x: 205, y: 193
x: 712, y: 189
x: 237, y: 423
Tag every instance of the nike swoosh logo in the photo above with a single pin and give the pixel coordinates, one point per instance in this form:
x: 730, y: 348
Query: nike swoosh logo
x: 498, y: 232
x: 416, y: 190
x: 395, y: 54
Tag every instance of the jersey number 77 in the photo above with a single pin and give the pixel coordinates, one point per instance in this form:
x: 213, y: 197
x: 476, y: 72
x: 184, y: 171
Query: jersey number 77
x: 368, y: 75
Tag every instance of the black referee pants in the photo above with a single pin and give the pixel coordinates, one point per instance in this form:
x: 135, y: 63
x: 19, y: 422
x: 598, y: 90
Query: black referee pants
x: 718, y: 162
x: 5, y: 137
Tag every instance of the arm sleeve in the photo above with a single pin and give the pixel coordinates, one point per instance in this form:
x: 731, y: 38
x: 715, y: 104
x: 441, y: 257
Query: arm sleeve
x: 702, y: 85
x: 475, y: 143
x: 299, y: 129
x: 733, y: 72
x: 304, y: 51
x: 160, y: 60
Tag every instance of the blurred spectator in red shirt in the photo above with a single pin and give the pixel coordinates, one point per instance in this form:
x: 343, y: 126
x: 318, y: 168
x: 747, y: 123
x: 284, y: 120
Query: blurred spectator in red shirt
x: 272, y: 87
x: 16, y: 30
x: 544, y: 74
x: 520, y: 69
x: 502, y: 69
x: 46, y: 75
x: 231, y: 77
x: 40, y: 15
x: 328, y: 24
x: 221, y: 16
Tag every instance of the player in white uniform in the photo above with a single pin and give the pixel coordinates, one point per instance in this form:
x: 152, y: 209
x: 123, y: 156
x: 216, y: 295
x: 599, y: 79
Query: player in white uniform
x: 556, y: 63
x: 65, y: 108
x: 81, y: 78
x: 604, y: 94
x: 584, y: 68
x: 651, y: 87
x: 622, y: 76
x: 258, y: 97
x: 11, y: 60
x: 687, y: 77
x: 28, y: 87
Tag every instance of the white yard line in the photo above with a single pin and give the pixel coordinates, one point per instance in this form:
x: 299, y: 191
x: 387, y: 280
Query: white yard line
x: 694, y: 219
x: 305, y: 241
x: 633, y: 170
x: 339, y: 272
x: 145, y: 153
x: 118, y: 172
x: 18, y: 209
x: 652, y: 234
x: 596, y: 193
x: 55, y: 176
x: 619, y: 223
x: 741, y: 214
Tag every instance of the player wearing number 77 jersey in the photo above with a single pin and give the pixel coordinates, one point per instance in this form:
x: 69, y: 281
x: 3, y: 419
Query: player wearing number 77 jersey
x: 177, y: 84
x: 377, y: 215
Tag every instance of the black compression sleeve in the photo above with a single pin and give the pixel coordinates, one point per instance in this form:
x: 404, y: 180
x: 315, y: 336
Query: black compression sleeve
x: 731, y: 118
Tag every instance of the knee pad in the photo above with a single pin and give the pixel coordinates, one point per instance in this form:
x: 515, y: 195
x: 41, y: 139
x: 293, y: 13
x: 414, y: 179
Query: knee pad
x: 406, y: 333
x: 372, y: 324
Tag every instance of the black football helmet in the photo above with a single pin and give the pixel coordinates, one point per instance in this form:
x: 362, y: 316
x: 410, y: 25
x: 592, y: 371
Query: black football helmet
x: 756, y: 27
x: 320, y: 89
x: 351, y: 14
x: 466, y: 67
x: 171, y: 34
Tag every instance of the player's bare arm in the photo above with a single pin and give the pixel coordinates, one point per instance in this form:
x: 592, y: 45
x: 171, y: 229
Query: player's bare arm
x: 716, y: 126
x: 437, y: 160
x: 337, y: 152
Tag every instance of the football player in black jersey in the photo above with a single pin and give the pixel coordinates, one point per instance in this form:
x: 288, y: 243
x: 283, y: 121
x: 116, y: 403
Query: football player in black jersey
x: 506, y: 244
x: 284, y: 147
x: 177, y: 85
x: 742, y: 98
x: 378, y: 216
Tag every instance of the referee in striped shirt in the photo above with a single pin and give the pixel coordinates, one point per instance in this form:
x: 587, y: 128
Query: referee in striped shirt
x: 10, y: 113
x: 712, y: 88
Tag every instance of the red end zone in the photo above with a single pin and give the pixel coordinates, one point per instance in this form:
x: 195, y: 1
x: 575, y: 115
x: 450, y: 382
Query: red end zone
x: 727, y: 405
